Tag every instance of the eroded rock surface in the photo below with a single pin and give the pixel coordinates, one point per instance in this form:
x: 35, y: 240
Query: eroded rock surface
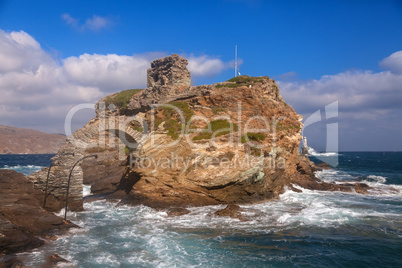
x: 23, y: 222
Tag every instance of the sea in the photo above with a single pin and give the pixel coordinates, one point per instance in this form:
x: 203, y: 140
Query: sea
x: 300, y: 229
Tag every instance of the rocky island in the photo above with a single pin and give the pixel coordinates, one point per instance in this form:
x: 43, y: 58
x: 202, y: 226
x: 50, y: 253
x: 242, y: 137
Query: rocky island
x: 176, y: 145
x: 169, y: 146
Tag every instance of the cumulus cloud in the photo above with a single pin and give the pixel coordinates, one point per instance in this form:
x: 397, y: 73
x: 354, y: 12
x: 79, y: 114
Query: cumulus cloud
x: 95, y: 23
x: 360, y: 92
x: 206, y: 66
x: 393, y: 62
x: 367, y: 100
x: 37, y: 90
x: 109, y: 71
x: 19, y: 51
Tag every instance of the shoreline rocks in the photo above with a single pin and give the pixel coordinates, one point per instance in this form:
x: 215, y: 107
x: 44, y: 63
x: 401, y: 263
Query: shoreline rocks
x: 24, y: 224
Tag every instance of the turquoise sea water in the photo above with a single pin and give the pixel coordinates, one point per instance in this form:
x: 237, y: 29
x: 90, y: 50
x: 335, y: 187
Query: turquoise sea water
x: 307, y: 229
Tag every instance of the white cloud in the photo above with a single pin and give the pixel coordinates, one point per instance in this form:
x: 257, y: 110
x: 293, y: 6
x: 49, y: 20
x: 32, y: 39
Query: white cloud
x: 358, y: 92
x: 206, y: 66
x: 393, y: 62
x: 19, y: 51
x: 109, y: 72
x: 369, y: 102
x: 70, y: 20
x: 37, y: 90
x: 95, y: 23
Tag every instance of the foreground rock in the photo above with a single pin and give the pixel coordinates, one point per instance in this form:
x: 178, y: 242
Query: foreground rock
x: 233, y: 211
x: 24, y: 224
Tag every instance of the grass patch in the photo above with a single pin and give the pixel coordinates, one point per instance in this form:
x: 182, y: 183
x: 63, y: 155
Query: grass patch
x: 245, y: 79
x: 173, y: 127
x: 217, y: 109
x: 173, y: 120
x: 122, y: 99
x: 216, y: 125
x: 242, y: 80
x: 252, y: 137
x: 255, y: 151
x: 182, y: 106
x: 136, y: 126
x: 287, y: 128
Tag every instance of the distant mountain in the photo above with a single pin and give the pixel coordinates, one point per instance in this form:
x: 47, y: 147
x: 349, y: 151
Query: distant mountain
x: 28, y: 141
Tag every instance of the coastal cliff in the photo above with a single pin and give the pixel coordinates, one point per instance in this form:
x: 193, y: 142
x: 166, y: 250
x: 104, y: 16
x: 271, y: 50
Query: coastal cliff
x: 177, y: 145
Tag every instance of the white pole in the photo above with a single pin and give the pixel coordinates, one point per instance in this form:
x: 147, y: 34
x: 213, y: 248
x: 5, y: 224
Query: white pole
x: 235, y: 60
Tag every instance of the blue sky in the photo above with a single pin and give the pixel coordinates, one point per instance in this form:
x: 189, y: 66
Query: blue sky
x: 318, y: 51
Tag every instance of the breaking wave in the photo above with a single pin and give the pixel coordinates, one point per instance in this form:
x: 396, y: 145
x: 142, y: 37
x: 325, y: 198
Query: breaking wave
x: 26, y: 170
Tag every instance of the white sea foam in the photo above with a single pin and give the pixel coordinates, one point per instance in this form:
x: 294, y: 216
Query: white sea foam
x: 376, y: 179
x: 332, y: 175
x: 28, y: 169
x: 141, y: 236
x: 313, y: 152
x: 86, y: 190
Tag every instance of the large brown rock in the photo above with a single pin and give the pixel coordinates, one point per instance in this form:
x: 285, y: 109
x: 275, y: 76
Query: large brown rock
x: 105, y: 173
x: 23, y: 222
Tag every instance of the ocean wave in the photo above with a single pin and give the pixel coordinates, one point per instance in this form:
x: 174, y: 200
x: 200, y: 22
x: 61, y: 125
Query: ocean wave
x: 86, y: 190
x: 26, y: 170
x: 332, y: 175
x: 20, y: 167
x: 313, y: 152
x: 141, y: 235
x: 376, y: 179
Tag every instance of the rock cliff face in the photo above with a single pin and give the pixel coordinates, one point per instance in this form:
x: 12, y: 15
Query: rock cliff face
x: 173, y: 145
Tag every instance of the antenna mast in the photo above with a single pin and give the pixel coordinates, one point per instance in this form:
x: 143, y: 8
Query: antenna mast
x: 235, y: 60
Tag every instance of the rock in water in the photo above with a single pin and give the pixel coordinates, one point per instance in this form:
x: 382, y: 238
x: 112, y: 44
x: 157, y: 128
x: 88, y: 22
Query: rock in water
x: 23, y: 222
x: 231, y: 210
x: 177, y: 145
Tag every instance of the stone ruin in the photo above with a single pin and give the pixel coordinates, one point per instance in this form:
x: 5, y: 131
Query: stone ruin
x: 169, y: 71
x: 167, y: 79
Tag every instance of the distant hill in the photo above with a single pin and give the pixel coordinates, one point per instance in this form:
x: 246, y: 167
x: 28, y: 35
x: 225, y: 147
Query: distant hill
x: 28, y: 141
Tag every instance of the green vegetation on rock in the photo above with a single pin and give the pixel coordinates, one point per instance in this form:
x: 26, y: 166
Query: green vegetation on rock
x: 255, y: 151
x: 173, y: 121
x: 280, y: 127
x: 242, y: 80
x: 245, y: 79
x: 182, y: 106
x: 252, y: 137
x: 217, y: 109
x: 121, y: 99
x: 223, y: 126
